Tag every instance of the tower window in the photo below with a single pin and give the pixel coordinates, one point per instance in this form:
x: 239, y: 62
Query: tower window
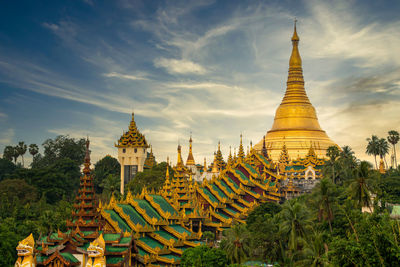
x: 135, y: 150
x: 124, y: 150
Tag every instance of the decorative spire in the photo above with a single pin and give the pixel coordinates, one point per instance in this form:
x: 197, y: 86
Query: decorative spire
x: 179, y: 162
x: 264, y: 150
x: 86, y: 169
x: 220, y: 160
x: 241, y: 150
x: 295, y: 91
x: 132, y: 138
x: 167, y: 172
x: 230, y: 158
x: 205, y: 166
x: 190, y: 158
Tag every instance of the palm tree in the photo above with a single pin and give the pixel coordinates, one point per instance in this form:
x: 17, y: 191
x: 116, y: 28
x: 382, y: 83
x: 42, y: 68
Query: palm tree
x: 360, y: 188
x: 332, y: 153
x: 383, y: 149
x: 237, y: 243
x: 372, y: 147
x: 315, y: 252
x: 21, y: 149
x: 324, y: 200
x: 33, y: 149
x: 393, y: 138
x: 295, y: 223
x: 8, y: 153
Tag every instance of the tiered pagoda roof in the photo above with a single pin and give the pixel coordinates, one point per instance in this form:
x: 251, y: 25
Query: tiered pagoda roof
x: 132, y: 138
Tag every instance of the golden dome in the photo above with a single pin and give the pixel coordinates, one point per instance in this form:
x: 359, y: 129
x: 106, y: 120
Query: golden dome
x: 296, y: 124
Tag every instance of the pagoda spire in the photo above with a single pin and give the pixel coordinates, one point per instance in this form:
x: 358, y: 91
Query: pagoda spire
x: 264, y: 150
x: 241, y: 150
x: 295, y: 91
x: 205, y: 165
x: 190, y: 158
x: 179, y: 162
x: 167, y: 172
x: 84, y: 213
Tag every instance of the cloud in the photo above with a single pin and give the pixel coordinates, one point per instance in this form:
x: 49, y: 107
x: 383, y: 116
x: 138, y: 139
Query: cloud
x: 3, y: 115
x: 6, y: 136
x: 125, y: 76
x: 179, y: 66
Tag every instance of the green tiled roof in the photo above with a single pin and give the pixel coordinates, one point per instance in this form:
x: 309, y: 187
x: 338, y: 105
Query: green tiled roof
x: 209, y: 194
x: 115, y: 217
x: 165, y: 235
x: 148, y: 208
x: 116, y: 249
x: 231, y: 210
x: 223, y: 215
x: 113, y: 260
x: 142, y: 252
x: 85, y: 246
x: 151, y: 242
x: 220, y: 193
x: 233, y: 182
x: 125, y: 240
x: 171, y: 256
x: 295, y: 168
x: 179, y: 229
x: 271, y: 183
x: 54, y: 236
x: 69, y: 257
x: 163, y: 204
x: 227, y: 187
x: 251, y: 169
x: 262, y: 158
x: 133, y: 214
x: 111, y: 237
x: 241, y: 175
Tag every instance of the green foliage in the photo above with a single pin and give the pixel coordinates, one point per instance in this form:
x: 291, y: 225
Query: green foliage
x: 6, y: 168
x: 110, y: 185
x: 55, y: 181
x: 61, y: 147
x: 203, y: 256
x: 390, y: 186
x: 8, y: 153
x: 265, y: 209
x: 151, y: 179
x: 103, y: 168
x: 236, y: 243
x: 16, y: 189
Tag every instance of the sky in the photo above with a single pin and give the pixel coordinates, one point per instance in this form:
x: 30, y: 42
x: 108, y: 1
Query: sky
x: 216, y: 69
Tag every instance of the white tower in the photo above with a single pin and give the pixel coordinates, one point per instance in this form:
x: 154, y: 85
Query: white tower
x: 132, y: 153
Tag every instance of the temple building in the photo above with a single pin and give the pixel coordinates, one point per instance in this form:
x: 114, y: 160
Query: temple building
x: 132, y: 153
x: 296, y: 124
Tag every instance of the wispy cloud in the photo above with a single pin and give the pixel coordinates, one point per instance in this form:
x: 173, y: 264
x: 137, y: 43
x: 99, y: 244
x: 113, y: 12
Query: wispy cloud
x: 179, y: 66
x: 125, y: 76
x: 6, y: 136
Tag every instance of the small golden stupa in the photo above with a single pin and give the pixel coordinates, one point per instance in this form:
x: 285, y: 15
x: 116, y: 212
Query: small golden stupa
x: 296, y: 124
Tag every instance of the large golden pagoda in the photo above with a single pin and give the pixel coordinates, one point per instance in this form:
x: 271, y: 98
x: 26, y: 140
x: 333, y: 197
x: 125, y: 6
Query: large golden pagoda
x: 296, y: 124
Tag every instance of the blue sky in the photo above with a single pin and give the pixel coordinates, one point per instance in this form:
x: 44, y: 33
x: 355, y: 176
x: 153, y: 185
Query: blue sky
x: 213, y: 68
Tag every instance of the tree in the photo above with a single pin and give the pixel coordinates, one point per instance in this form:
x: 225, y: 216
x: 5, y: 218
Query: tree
x: 383, y: 149
x: 103, y: 168
x: 21, y: 149
x: 151, y: 178
x: 372, y: 147
x: 33, y: 150
x: 295, y: 223
x: 8, y: 153
x: 202, y: 256
x: 60, y: 148
x: 6, y: 168
x: 111, y: 185
x: 393, y: 138
x: 17, y: 189
x: 332, y: 153
x: 209, y: 237
x: 267, y: 208
x: 360, y: 187
x: 324, y: 199
x: 315, y: 252
x: 236, y: 243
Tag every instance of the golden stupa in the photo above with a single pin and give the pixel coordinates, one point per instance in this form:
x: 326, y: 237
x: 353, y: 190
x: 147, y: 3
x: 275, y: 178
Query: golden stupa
x: 296, y: 124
